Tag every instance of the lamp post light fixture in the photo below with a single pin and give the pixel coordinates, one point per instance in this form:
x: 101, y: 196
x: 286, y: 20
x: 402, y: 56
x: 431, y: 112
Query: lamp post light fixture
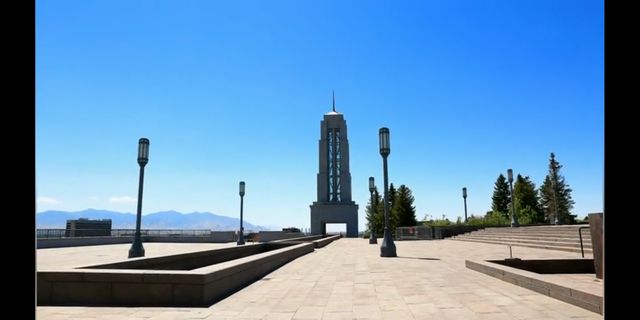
x: 388, y: 248
x: 464, y: 195
x: 514, y: 219
x: 137, y: 250
x: 372, y: 236
x: 241, y: 233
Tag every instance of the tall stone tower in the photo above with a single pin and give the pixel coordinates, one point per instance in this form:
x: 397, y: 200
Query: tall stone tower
x: 334, y: 204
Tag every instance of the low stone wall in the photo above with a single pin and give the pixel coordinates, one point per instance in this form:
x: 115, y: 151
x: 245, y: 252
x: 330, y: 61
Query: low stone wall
x: 318, y: 241
x: 77, y: 242
x: 266, y: 236
x: 325, y: 241
x: 130, y: 287
x: 537, y: 283
x: 300, y: 239
x: 214, y: 237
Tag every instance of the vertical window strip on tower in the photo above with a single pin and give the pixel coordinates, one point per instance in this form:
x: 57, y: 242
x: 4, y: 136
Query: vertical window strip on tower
x: 338, y: 160
x: 333, y: 154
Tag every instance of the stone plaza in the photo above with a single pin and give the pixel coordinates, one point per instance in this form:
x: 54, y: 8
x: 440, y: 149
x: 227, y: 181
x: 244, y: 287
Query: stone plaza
x: 348, y: 279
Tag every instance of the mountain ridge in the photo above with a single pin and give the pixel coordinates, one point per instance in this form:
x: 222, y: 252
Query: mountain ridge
x: 170, y: 219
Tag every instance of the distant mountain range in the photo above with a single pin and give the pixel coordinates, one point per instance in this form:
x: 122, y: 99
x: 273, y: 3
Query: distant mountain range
x: 159, y: 220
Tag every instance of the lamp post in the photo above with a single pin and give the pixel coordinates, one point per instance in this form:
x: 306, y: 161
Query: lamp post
x: 514, y: 219
x: 464, y: 195
x: 372, y: 236
x: 241, y: 234
x: 137, y: 250
x: 388, y: 248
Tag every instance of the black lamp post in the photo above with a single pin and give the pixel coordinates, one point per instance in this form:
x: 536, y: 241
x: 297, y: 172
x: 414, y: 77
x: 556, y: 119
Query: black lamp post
x: 464, y: 195
x: 372, y: 236
x: 143, y: 157
x: 241, y: 235
x: 388, y: 248
x: 514, y: 219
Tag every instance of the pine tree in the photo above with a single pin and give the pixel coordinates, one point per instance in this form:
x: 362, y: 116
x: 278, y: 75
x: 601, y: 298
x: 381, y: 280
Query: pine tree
x: 374, y: 217
x: 379, y: 217
x: 527, y: 201
x: 555, y: 195
x: 370, y: 209
x: 393, y: 214
x: 403, y: 207
x: 501, y: 196
x: 546, y: 199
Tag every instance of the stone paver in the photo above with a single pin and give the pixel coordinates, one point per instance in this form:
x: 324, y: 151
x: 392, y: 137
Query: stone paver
x: 349, y: 280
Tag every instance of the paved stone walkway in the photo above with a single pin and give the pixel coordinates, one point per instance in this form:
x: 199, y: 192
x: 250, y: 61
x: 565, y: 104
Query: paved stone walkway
x: 348, y: 280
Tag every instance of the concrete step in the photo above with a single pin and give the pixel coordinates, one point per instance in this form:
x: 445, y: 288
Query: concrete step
x: 520, y: 230
x: 545, y: 227
x: 548, y: 247
x: 527, y: 229
x: 531, y: 235
x: 557, y: 242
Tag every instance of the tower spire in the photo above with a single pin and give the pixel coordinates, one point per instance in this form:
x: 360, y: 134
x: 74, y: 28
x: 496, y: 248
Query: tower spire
x: 334, y: 100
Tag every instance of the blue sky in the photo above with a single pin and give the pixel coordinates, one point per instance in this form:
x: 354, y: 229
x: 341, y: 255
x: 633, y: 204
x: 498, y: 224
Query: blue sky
x: 235, y: 90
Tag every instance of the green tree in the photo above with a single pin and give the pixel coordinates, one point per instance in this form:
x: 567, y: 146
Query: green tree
x: 375, y: 213
x: 403, y: 207
x: 501, y: 196
x: 494, y: 218
x: 527, y: 201
x: 393, y: 214
x: 491, y: 218
x: 555, y: 195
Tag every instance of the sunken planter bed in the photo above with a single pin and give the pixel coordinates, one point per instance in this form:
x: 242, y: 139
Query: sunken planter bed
x: 191, y: 279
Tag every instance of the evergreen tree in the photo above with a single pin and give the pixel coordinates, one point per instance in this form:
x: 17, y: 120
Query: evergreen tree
x: 527, y: 201
x: 546, y: 199
x: 370, y: 209
x: 403, y: 207
x: 375, y: 214
x: 392, y: 194
x: 501, y: 196
x: 393, y: 214
x: 379, y: 217
x: 555, y: 195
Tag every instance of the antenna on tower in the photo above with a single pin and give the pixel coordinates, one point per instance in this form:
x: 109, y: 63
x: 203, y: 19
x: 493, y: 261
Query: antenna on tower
x: 334, y: 100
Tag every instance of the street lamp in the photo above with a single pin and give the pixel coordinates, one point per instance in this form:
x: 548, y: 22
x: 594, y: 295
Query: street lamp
x: 143, y: 157
x: 388, y: 248
x: 241, y: 235
x: 464, y: 195
x: 372, y: 236
x: 514, y: 219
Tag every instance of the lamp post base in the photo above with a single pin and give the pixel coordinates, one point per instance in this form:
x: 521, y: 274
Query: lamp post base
x: 240, y: 238
x: 137, y: 250
x: 514, y: 223
x: 373, y: 239
x: 388, y: 248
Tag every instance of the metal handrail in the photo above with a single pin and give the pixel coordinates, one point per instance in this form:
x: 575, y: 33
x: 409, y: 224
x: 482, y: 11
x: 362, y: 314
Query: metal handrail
x: 580, y: 234
x: 64, y: 233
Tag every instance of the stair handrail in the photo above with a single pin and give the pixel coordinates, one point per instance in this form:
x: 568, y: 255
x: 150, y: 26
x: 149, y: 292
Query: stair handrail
x: 580, y: 235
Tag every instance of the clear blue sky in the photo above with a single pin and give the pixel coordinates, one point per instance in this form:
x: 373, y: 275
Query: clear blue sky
x: 235, y: 90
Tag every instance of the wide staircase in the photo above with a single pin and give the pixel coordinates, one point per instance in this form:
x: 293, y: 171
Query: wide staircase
x: 563, y: 237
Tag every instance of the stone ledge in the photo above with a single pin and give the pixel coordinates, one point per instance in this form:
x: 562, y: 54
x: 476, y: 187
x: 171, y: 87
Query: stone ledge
x: 160, y: 288
x: 535, y: 282
x: 325, y: 241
